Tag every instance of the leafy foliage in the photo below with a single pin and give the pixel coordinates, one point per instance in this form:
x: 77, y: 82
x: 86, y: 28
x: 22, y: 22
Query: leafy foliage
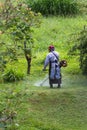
x: 17, y: 21
x: 8, y: 53
x: 54, y: 7
x: 11, y: 75
x: 81, y: 48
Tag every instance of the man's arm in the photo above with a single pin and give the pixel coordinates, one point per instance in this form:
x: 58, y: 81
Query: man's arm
x: 46, y: 62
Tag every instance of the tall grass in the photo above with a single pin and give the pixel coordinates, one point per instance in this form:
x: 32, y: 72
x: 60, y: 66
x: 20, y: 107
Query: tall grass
x: 57, y: 31
x: 54, y: 7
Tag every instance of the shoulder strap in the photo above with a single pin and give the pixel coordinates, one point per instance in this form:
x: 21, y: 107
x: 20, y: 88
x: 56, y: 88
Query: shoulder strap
x: 55, y: 55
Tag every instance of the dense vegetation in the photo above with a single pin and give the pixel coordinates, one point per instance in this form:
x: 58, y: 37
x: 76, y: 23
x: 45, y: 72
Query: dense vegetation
x: 19, y: 39
x: 25, y: 104
x: 80, y: 48
x: 54, y: 7
x: 18, y: 27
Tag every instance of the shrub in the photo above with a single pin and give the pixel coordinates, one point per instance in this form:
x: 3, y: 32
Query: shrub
x: 54, y: 7
x: 80, y: 48
x: 11, y: 75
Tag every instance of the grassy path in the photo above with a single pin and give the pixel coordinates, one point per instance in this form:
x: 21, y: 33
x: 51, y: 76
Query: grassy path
x: 59, y: 109
x: 42, y: 108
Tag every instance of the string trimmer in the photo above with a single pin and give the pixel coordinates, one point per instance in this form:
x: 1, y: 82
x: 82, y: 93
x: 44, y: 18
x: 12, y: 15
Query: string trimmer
x: 44, y: 81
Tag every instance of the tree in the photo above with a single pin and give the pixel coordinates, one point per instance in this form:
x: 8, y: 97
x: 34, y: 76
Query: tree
x: 17, y: 21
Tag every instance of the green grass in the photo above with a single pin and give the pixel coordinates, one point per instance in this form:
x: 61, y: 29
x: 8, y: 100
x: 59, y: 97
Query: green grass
x: 59, y: 32
x: 39, y: 107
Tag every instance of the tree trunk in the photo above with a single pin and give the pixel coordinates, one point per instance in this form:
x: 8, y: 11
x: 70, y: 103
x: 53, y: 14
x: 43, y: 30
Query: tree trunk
x: 28, y: 58
x: 28, y: 64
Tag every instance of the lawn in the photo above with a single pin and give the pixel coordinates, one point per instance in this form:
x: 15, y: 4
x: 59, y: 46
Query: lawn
x: 42, y: 108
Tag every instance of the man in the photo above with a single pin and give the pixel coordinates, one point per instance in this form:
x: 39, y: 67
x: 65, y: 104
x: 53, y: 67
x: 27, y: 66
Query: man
x: 52, y: 59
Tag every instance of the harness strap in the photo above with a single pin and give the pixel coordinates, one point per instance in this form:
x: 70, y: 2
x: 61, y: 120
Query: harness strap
x: 55, y: 55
